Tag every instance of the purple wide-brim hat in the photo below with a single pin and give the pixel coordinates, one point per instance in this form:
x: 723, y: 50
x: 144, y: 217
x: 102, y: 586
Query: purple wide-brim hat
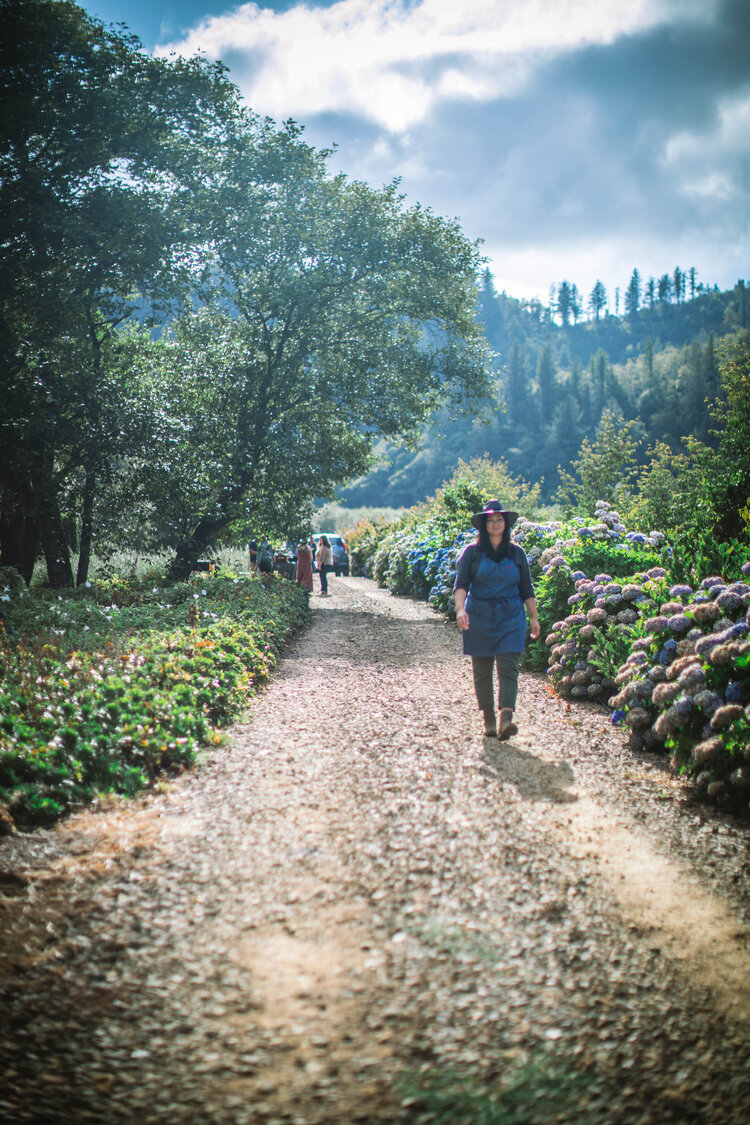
x: 493, y: 507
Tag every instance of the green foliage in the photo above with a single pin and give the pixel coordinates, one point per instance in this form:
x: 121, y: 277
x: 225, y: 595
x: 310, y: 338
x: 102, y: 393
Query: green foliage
x: 95, y: 136
x: 725, y: 471
x: 108, y: 705
x: 599, y: 556
x: 330, y: 312
x: 552, y: 592
x: 336, y: 315
x: 533, y: 1094
x: 668, y: 492
x: 603, y: 469
x: 694, y: 554
x: 612, y: 645
x: 362, y: 541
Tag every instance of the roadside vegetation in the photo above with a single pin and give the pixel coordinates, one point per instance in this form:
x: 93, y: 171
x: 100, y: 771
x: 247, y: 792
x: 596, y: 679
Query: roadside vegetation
x: 107, y: 687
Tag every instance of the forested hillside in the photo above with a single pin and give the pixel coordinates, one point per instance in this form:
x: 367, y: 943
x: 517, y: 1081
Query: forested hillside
x: 653, y: 361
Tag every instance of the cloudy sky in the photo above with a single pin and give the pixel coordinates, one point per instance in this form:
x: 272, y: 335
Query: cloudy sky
x: 577, y: 138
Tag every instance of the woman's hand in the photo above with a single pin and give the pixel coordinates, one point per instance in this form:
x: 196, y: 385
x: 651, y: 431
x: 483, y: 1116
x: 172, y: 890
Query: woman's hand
x: 462, y: 619
x: 534, y: 626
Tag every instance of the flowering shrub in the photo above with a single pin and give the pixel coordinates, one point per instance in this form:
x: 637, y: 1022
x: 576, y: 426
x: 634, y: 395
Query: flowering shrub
x: 686, y: 689
x: 151, y: 682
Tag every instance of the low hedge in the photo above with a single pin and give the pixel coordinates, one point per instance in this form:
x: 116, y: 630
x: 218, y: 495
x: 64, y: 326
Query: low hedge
x: 107, y: 705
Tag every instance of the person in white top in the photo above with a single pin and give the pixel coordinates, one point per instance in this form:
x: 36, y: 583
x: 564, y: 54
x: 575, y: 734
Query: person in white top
x: 324, y: 562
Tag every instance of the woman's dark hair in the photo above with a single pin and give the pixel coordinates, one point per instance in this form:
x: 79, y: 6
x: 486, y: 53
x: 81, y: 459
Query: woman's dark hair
x: 324, y: 540
x: 483, y: 540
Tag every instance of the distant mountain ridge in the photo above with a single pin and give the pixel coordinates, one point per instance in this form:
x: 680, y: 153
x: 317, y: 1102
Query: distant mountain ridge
x: 656, y: 363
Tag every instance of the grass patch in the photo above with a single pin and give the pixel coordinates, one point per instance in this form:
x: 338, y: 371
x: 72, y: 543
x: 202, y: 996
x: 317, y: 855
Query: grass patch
x: 106, y: 687
x: 457, y: 941
x: 546, y: 1090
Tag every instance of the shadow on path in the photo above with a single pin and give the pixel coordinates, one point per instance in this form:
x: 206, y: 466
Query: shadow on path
x: 535, y: 779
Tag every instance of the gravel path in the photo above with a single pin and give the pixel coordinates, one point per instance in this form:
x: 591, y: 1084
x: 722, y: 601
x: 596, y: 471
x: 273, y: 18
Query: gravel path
x: 358, y: 906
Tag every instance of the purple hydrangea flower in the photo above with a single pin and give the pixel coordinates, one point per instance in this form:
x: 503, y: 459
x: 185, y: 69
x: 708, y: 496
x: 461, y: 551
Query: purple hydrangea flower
x: 680, y: 591
x: 683, y: 706
x: 617, y: 717
x: 729, y: 601
x: 735, y: 692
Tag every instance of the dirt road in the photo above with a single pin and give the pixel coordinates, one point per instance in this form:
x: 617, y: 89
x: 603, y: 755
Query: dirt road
x: 359, y: 910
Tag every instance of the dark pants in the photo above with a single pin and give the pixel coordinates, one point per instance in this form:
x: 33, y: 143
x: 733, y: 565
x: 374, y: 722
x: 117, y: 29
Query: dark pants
x: 507, y: 676
x: 324, y: 572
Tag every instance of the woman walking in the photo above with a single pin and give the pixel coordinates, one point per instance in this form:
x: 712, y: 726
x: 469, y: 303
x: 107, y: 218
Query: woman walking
x: 324, y: 560
x: 493, y: 594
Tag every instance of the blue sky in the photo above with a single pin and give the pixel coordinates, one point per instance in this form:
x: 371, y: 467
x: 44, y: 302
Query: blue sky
x: 578, y: 138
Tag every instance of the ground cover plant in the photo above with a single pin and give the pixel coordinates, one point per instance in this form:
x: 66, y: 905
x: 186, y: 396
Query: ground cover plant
x: 106, y: 687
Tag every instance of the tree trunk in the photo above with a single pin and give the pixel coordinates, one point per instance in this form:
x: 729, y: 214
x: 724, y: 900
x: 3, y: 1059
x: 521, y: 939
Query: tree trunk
x: 87, y: 515
x: 52, y: 537
x: 19, y: 537
x: 189, y: 551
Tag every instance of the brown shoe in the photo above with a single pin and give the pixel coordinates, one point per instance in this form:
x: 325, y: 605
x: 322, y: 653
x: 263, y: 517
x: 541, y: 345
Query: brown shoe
x: 507, y: 727
x: 490, y: 724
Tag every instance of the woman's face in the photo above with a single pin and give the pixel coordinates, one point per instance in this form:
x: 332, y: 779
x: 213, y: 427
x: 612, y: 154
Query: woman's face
x: 495, y: 526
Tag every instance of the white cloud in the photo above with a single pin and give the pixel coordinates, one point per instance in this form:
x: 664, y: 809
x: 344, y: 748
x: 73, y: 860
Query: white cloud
x: 578, y: 138
x: 391, y: 63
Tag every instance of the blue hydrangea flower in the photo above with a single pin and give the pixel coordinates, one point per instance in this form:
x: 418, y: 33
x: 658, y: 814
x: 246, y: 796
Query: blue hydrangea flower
x: 735, y: 692
x: 617, y: 717
x: 667, y: 652
x: 680, y: 591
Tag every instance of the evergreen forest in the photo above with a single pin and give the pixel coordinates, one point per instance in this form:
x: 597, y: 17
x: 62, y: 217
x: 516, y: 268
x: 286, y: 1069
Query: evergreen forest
x: 561, y: 368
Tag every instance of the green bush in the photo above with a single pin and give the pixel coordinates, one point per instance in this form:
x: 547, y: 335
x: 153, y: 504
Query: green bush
x: 152, y: 682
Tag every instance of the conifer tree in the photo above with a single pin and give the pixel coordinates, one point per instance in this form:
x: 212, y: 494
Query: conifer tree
x: 633, y: 294
x: 679, y: 284
x: 597, y: 299
x: 665, y: 288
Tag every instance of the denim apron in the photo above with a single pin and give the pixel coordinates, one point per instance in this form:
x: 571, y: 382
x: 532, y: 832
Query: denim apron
x: 497, y: 617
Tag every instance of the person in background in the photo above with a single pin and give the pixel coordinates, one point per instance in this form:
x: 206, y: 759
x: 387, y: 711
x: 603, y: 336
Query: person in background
x: 493, y: 594
x: 324, y: 560
x: 253, y: 551
x: 265, y: 562
x: 304, y: 565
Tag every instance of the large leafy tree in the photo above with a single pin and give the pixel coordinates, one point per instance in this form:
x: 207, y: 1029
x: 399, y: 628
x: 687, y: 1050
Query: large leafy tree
x: 340, y: 315
x: 93, y: 135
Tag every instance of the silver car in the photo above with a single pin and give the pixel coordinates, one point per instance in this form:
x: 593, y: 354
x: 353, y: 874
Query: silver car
x: 339, y: 550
